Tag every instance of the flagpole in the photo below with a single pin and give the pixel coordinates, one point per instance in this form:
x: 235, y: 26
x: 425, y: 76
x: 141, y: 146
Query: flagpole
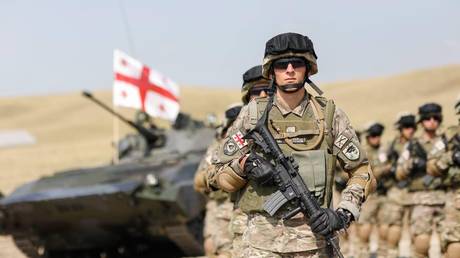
x: 115, y: 134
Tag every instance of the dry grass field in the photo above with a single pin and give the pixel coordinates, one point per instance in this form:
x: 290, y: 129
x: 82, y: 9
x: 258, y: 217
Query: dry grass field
x: 72, y: 132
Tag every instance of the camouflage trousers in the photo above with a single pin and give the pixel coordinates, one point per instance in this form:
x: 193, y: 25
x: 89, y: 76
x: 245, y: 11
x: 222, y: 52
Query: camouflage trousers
x: 266, y: 236
x: 369, y: 209
x: 426, y: 211
x: 391, y: 209
x: 450, y: 226
x: 216, y: 225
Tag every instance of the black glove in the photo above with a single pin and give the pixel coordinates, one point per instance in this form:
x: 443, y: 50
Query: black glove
x: 418, y: 164
x: 456, y: 157
x: 259, y: 169
x: 326, y: 221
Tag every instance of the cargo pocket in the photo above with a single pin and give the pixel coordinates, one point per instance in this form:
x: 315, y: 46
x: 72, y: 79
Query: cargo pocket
x: 312, y: 169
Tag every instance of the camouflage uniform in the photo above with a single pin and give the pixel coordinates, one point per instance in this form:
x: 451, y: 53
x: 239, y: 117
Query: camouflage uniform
x: 218, y: 239
x: 425, y: 196
x: 371, y: 207
x: 391, y: 210
x: 269, y: 236
x: 442, y: 165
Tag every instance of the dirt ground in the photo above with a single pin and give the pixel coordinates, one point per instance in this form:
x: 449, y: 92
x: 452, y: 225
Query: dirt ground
x: 72, y: 132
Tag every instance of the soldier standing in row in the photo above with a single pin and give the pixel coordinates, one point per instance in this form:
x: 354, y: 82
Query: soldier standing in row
x: 445, y: 163
x: 311, y: 130
x: 218, y: 238
x: 390, y: 215
x: 425, y: 197
x: 373, y: 133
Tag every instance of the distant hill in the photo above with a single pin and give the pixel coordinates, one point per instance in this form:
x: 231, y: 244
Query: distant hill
x: 73, y: 132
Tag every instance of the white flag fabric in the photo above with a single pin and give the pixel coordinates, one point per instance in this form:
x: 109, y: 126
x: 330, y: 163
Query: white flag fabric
x: 137, y: 86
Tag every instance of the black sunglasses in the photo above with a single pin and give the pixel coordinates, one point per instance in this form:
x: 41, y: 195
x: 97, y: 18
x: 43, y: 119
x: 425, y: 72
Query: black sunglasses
x: 255, y: 91
x: 283, y: 63
x: 435, y: 117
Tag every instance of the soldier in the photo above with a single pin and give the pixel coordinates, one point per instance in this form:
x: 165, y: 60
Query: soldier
x: 315, y: 133
x: 373, y: 148
x: 425, y: 196
x: 217, y: 238
x: 390, y: 214
x: 445, y: 162
x: 219, y: 208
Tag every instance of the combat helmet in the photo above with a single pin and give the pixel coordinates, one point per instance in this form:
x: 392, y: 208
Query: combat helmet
x: 430, y: 110
x: 404, y: 120
x: 231, y: 113
x: 286, y: 46
x: 251, y: 78
x: 374, y: 129
x: 289, y: 45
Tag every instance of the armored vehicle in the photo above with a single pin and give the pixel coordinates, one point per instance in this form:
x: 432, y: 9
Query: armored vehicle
x: 143, y: 206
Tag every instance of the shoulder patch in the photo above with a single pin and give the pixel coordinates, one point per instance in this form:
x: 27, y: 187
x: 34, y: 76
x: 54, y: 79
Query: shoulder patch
x: 439, y: 145
x: 340, y: 141
x: 230, y: 147
x: 382, y: 157
x: 238, y: 139
x: 351, y: 151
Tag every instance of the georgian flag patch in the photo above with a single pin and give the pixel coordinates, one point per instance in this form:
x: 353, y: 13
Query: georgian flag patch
x: 238, y: 138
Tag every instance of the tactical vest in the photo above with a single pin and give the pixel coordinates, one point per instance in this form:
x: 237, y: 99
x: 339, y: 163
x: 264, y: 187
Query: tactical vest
x: 452, y: 178
x: 421, y: 181
x: 308, y: 139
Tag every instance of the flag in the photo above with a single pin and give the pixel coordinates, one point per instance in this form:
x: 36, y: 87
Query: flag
x: 137, y: 86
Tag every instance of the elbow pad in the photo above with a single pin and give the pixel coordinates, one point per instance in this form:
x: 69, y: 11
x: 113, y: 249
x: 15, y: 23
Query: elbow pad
x: 229, y: 181
x: 364, y: 177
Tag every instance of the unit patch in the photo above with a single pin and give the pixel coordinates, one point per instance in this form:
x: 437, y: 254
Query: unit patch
x: 238, y: 138
x: 351, y: 151
x: 290, y: 129
x: 298, y: 140
x: 230, y: 147
x: 383, y: 157
x: 340, y: 141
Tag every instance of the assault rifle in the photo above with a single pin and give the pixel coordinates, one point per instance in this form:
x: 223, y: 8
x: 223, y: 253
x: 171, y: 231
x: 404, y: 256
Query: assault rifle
x: 291, y: 187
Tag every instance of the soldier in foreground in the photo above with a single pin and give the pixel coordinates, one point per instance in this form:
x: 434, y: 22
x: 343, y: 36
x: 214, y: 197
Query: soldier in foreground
x: 425, y: 197
x: 370, y: 209
x: 218, y: 238
x: 312, y: 131
x: 445, y: 163
x: 390, y: 215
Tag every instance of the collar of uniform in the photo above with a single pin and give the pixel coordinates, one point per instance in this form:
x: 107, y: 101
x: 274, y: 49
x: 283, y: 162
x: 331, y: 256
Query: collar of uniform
x: 285, y: 110
x: 424, y: 139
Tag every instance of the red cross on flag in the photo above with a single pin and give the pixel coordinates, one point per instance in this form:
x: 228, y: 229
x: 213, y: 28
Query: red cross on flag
x: 137, y: 86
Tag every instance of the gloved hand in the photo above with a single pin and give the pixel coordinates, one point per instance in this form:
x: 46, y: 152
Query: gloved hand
x: 326, y: 221
x: 259, y: 169
x: 456, y: 157
x: 418, y: 164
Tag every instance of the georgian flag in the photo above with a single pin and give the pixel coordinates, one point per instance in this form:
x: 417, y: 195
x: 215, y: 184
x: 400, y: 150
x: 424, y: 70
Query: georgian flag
x: 137, y: 86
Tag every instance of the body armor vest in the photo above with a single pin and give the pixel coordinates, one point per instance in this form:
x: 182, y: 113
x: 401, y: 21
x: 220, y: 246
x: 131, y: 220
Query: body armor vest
x: 420, y: 180
x: 452, y: 178
x: 308, y: 139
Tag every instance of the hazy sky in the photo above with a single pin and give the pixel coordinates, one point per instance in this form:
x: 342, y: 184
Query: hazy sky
x: 53, y: 46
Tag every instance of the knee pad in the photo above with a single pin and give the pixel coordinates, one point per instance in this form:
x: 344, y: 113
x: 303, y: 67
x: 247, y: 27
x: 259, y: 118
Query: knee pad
x: 422, y: 244
x: 209, y: 248
x: 364, y: 232
x: 383, y: 232
x: 394, y: 235
x: 453, y: 250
